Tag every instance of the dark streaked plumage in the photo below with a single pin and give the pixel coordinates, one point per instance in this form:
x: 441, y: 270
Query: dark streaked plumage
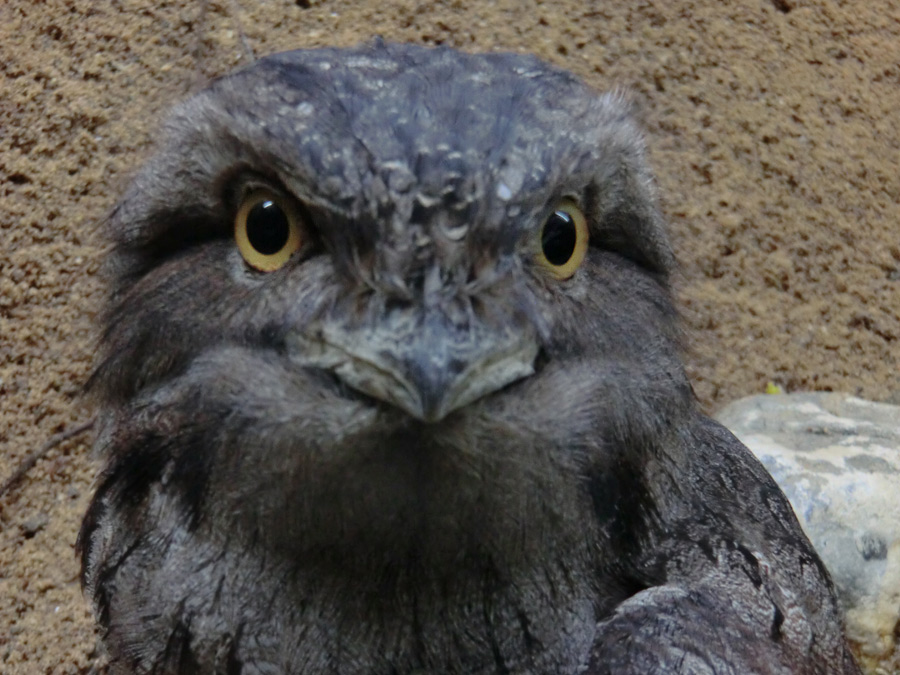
x: 412, y: 448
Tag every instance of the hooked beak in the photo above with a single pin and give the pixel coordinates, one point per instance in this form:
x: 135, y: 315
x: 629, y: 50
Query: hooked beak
x: 424, y: 365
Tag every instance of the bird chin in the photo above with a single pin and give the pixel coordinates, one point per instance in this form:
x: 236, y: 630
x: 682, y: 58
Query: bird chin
x: 423, y: 494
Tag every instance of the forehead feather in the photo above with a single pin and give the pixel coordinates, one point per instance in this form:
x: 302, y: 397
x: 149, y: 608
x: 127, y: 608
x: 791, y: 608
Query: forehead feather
x: 355, y: 129
x: 408, y: 111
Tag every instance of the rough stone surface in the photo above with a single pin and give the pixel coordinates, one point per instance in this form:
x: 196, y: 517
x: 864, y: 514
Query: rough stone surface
x: 838, y: 460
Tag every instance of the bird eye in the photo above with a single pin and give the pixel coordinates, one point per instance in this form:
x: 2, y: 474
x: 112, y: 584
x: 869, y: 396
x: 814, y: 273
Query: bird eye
x: 267, y: 229
x: 564, y: 240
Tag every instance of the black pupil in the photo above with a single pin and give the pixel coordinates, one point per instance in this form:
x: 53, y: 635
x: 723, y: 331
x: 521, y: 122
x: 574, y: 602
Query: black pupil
x: 267, y: 228
x: 558, y: 238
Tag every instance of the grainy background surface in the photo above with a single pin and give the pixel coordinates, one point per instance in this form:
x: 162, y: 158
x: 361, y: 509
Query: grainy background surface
x: 774, y: 131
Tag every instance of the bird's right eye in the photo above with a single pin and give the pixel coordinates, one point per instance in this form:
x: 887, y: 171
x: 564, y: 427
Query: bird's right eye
x: 268, y: 230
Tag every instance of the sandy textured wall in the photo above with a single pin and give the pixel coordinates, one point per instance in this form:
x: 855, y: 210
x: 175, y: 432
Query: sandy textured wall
x: 773, y: 126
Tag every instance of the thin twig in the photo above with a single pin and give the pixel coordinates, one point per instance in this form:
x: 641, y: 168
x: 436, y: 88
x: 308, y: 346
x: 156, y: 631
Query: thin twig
x: 245, y: 43
x: 28, y: 463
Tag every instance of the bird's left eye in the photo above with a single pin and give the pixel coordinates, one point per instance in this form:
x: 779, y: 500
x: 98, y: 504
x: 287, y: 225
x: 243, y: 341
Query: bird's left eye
x: 564, y: 240
x: 268, y: 229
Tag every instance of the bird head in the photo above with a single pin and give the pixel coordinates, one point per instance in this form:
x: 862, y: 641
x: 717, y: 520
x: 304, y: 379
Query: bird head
x: 389, y: 284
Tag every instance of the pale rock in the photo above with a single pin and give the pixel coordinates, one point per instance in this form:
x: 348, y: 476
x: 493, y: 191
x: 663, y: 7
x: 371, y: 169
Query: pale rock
x: 837, y: 458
